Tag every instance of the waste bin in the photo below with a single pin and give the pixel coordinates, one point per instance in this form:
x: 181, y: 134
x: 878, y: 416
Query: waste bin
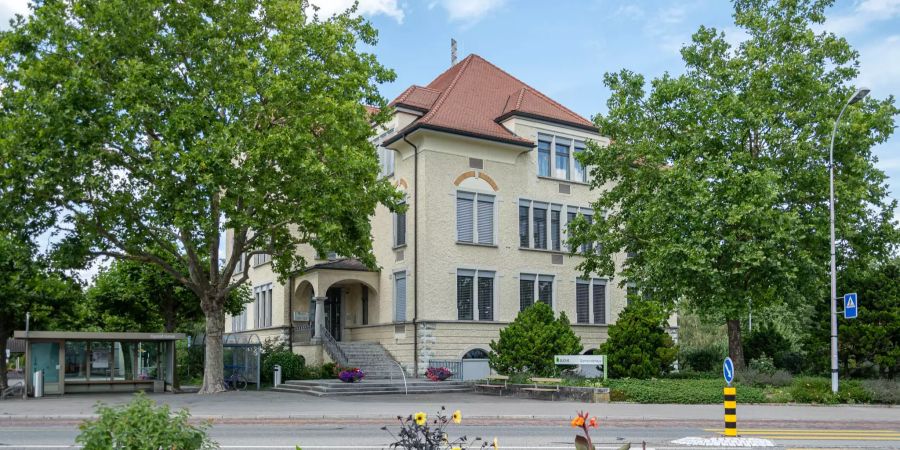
x: 277, y: 377
x: 39, y: 384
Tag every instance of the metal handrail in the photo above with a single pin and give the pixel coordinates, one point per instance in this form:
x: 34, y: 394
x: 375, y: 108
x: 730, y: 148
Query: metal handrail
x: 333, y: 349
x: 403, y: 373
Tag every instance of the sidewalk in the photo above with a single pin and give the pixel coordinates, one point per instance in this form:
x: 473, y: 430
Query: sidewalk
x: 251, y: 405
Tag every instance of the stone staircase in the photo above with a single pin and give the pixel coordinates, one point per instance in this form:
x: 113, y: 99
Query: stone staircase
x: 322, y: 388
x: 372, y: 359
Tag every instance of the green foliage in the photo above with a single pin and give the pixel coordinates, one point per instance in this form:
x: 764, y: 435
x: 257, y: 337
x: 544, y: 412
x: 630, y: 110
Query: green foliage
x: 531, y: 341
x: 152, y: 127
x: 869, y: 344
x: 638, y: 345
x: 769, y: 376
x: 292, y: 365
x: 190, y: 361
x: 763, y: 364
x: 767, y: 341
x: 679, y: 391
x: 704, y: 359
x: 130, y: 296
x: 715, y: 180
x: 818, y: 390
x: 141, y: 425
x: 28, y: 284
x: 883, y: 391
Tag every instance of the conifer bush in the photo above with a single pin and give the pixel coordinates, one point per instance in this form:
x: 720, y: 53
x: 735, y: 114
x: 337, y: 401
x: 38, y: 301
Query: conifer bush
x: 638, y: 345
x: 531, y: 341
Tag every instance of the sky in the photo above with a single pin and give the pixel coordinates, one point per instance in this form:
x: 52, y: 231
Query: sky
x: 563, y: 47
x: 563, y: 50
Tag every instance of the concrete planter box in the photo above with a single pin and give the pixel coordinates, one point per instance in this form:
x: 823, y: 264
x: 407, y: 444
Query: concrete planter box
x: 565, y: 393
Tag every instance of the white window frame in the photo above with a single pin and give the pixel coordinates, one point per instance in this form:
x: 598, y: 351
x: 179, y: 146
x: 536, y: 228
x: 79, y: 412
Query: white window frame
x: 536, y: 276
x: 262, y: 305
x: 476, y: 313
x: 551, y: 206
x: 593, y: 283
x: 261, y: 258
x: 406, y: 294
x: 572, y: 140
x: 494, y: 214
x: 239, y: 322
x: 564, y: 227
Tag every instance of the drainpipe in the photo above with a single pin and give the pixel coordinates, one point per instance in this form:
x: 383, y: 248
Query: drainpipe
x: 290, y: 314
x: 415, y: 256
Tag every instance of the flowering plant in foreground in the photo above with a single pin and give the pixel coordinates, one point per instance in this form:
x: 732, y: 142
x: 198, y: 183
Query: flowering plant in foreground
x: 438, y: 373
x: 351, y: 375
x: 416, y: 432
x: 584, y: 421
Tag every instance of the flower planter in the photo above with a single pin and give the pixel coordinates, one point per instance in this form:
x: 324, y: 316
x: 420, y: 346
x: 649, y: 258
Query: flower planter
x: 438, y: 373
x: 351, y: 375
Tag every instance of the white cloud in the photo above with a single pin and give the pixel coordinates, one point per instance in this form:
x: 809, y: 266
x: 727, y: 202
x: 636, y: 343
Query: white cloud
x: 388, y: 8
x: 866, y: 12
x: 630, y: 11
x: 879, y: 66
x: 666, y: 27
x: 469, y: 11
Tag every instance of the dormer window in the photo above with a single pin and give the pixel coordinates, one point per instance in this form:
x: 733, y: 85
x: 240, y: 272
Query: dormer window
x: 564, y: 165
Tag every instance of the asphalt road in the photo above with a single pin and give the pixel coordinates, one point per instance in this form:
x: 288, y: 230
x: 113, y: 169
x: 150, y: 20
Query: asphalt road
x: 365, y: 435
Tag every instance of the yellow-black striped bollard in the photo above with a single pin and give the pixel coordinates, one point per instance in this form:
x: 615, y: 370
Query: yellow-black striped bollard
x: 730, y: 411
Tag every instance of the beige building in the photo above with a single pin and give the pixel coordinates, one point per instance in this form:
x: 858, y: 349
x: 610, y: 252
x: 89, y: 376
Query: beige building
x: 487, y: 165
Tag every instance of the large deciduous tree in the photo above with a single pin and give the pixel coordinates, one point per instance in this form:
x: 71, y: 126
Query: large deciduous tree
x: 146, y: 126
x: 133, y: 296
x: 29, y: 285
x: 716, y: 181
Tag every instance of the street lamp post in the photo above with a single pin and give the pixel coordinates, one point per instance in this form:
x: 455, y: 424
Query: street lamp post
x: 857, y: 96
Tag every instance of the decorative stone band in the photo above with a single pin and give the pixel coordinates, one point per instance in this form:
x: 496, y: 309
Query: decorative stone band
x: 730, y: 411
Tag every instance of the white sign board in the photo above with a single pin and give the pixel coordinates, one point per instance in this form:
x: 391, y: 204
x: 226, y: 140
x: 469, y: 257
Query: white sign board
x: 579, y: 360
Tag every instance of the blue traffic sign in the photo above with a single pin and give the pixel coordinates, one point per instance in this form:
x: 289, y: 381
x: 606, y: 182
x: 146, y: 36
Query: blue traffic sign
x: 728, y: 370
x: 850, y: 305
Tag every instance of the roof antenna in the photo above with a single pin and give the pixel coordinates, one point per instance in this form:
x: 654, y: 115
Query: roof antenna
x: 452, y: 52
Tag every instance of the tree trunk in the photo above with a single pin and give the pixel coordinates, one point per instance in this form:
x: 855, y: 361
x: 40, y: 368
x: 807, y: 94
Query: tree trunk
x: 169, y: 319
x: 735, y: 348
x: 4, y: 383
x: 213, y: 376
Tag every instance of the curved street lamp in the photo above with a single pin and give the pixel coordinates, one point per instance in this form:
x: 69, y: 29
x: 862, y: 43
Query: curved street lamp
x: 860, y: 94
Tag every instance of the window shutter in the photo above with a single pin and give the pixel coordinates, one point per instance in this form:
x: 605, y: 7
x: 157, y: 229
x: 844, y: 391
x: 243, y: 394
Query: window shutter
x: 545, y: 289
x: 599, y: 302
x: 526, y: 291
x: 485, y: 295
x: 464, y: 217
x: 582, y: 314
x: 523, y: 225
x: 400, y: 297
x: 269, y: 308
x: 485, y: 219
x: 465, y: 294
x: 539, y: 214
x: 400, y: 229
x: 555, y: 227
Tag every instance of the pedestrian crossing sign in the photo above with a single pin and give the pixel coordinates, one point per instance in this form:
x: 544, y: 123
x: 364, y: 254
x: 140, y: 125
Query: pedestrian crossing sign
x: 850, y: 306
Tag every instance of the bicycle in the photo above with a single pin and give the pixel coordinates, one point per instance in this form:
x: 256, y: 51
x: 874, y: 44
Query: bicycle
x: 236, y: 380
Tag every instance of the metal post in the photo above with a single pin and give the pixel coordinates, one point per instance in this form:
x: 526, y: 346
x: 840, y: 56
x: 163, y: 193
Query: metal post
x: 857, y: 96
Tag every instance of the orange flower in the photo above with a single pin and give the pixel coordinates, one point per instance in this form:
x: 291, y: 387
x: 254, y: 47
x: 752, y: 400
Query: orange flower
x: 593, y: 422
x: 578, y: 422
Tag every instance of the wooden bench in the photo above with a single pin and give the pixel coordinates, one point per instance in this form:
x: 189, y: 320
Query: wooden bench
x: 490, y: 385
x: 544, y: 385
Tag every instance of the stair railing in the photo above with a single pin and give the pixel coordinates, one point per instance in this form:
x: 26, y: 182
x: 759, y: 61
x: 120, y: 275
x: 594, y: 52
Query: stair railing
x: 331, y: 346
x: 403, y: 373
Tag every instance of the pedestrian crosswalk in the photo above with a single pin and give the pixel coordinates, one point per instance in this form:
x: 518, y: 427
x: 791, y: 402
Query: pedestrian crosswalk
x: 817, y: 434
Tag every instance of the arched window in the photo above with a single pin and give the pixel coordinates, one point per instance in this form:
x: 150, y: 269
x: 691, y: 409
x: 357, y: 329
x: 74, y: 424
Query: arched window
x: 476, y: 353
x: 592, y: 351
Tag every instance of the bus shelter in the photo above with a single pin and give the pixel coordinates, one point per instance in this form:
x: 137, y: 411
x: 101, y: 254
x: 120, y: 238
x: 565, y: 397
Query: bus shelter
x: 72, y: 362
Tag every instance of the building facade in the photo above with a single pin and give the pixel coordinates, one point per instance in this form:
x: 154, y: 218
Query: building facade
x: 487, y: 165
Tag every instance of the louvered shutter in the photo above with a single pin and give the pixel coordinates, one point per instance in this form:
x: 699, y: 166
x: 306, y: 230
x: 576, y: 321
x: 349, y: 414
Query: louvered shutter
x: 526, y: 291
x: 485, y: 295
x: 465, y: 294
x: 400, y: 297
x: 582, y: 314
x: 599, y: 302
x: 485, y: 219
x: 464, y: 216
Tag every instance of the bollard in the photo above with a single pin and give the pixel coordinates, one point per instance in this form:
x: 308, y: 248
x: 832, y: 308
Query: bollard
x: 276, y: 378
x: 730, y: 411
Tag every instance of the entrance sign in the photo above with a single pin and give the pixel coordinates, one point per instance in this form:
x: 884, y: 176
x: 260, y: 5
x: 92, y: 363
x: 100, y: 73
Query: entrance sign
x: 850, y: 305
x: 728, y: 370
x: 588, y: 365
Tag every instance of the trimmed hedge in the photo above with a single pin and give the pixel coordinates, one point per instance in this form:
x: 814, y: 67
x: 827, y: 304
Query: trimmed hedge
x: 678, y: 391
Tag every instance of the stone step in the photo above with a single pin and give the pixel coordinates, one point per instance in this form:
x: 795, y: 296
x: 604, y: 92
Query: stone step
x: 362, y: 389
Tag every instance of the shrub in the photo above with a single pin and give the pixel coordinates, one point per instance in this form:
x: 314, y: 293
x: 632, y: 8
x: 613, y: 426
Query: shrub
x: 818, y: 390
x: 766, y: 340
x: 190, y: 362
x: 638, y: 345
x: 755, y: 377
x: 704, y: 359
x: 141, y: 425
x: 531, y: 341
x: 883, y: 391
x: 292, y: 365
x: 763, y: 364
x: 678, y: 391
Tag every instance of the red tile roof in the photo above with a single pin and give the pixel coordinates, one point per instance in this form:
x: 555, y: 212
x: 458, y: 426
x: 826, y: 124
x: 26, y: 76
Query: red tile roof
x: 474, y: 96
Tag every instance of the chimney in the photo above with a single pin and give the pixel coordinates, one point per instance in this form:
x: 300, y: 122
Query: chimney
x: 452, y: 52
